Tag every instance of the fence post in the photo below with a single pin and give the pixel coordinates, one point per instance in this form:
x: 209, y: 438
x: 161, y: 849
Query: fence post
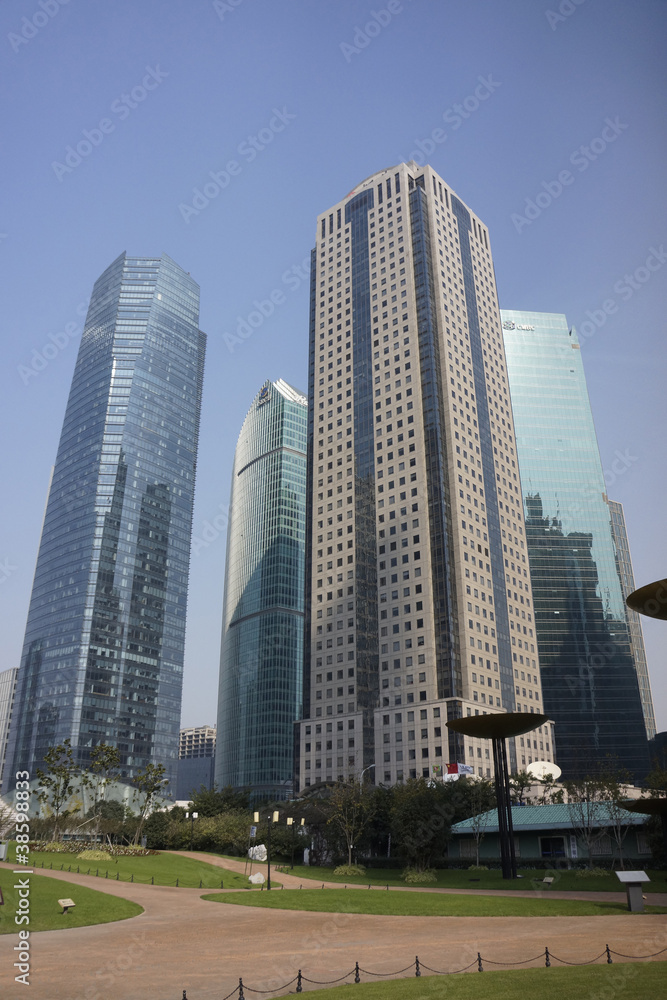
x: 176, y: 883
x: 479, y: 963
x: 184, y: 995
x: 200, y: 883
x: 117, y: 876
x: 132, y: 877
x: 357, y: 977
x: 418, y: 971
x: 609, y: 959
x: 241, y: 993
x: 299, y: 987
x: 152, y: 878
x: 547, y: 959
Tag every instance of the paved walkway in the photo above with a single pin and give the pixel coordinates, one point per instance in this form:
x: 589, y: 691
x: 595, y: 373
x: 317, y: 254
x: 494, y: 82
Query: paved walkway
x: 183, y: 942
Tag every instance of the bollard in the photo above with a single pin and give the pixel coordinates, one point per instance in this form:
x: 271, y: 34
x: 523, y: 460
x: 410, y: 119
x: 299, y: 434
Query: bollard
x: 479, y: 963
x: 547, y: 961
x: 418, y: 971
x: 299, y: 987
x: 357, y: 977
x: 241, y: 993
x: 609, y: 959
x: 184, y: 995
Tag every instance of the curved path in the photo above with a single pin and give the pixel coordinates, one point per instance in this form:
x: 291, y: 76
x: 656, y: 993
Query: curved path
x: 182, y: 942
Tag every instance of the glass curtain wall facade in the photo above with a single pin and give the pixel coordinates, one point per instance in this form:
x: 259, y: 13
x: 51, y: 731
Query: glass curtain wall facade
x: 624, y: 563
x: 419, y: 606
x: 103, y: 653
x: 261, y: 659
x: 589, y: 678
x: 7, y: 694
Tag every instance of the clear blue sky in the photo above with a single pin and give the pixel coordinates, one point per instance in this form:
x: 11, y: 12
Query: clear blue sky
x: 306, y: 106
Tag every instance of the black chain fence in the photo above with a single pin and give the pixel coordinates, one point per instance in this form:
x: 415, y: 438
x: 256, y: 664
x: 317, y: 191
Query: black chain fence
x: 354, y: 975
x: 117, y: 877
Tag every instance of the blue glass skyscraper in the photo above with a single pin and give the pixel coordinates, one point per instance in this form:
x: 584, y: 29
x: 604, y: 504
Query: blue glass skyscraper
x: 261, y: 659
x: 103, y: 653
x: 589, y: 679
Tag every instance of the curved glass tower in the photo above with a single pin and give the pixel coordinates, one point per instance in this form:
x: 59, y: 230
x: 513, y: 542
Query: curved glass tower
x: 589, y: 676
x: 261, y: 658
x: 104, y: 642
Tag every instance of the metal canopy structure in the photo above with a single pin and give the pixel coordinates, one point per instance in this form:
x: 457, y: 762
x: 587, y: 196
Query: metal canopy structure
x: 498, y: 728
x: 650, y: 600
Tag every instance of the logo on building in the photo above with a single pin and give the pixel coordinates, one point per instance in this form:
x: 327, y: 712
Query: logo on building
x: 509, y: 325
x: 264, y: 395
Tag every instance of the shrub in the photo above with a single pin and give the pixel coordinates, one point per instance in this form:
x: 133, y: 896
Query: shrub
x: 591, y: 873
x: 478, y: 868
x: 349, y: 870
x: 94, y: 856
x: 74, y: 847
x: 417, y: 876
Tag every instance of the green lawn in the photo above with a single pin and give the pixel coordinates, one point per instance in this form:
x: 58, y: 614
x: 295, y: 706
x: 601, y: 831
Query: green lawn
x: 164, y: 868
x: 630, y: 981
x: 422, y: 903
x: 92, y: 907
x: 452, y: 878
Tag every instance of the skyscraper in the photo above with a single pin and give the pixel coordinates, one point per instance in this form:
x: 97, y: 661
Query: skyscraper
x: 261, y: 658
x: 624, y: 564
x: 419, y: 606
x: 103, y: 653
x: 7, y: 695
x: 589, y: 677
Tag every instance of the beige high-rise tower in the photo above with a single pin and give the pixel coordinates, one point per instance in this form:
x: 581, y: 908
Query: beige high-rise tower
x: 417, y: 578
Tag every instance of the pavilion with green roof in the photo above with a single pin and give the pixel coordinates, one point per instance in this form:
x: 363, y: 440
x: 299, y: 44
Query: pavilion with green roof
x: 549, y: 834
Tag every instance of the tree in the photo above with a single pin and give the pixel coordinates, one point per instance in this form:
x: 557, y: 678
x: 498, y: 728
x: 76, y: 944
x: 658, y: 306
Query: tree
x: 351, y: 811
x: 58, y: 781
x: 519, y: 783
x: 214, y: 801
x: 612, y: 781
x: 481, y: 795
x: 421, y: 817
x: 104, y: 769
x: 586, y: 811
x: 149, y: 781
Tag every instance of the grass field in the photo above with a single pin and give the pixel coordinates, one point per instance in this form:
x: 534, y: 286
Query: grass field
x: 630, y: 981
x: 425, y: 904
x: 92, y: 907
x: 164, y: 868
x: 452, y: 878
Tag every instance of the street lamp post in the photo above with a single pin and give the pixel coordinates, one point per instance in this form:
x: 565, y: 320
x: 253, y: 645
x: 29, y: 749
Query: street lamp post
x: 273, y: 818
x: 290, y: 822
x: 192, y: 816
x: 361, y: 776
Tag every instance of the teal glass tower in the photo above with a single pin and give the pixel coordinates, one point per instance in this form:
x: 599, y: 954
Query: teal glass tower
x: 261, y: 659
x: 589, y: 679
x: 104, y: 642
